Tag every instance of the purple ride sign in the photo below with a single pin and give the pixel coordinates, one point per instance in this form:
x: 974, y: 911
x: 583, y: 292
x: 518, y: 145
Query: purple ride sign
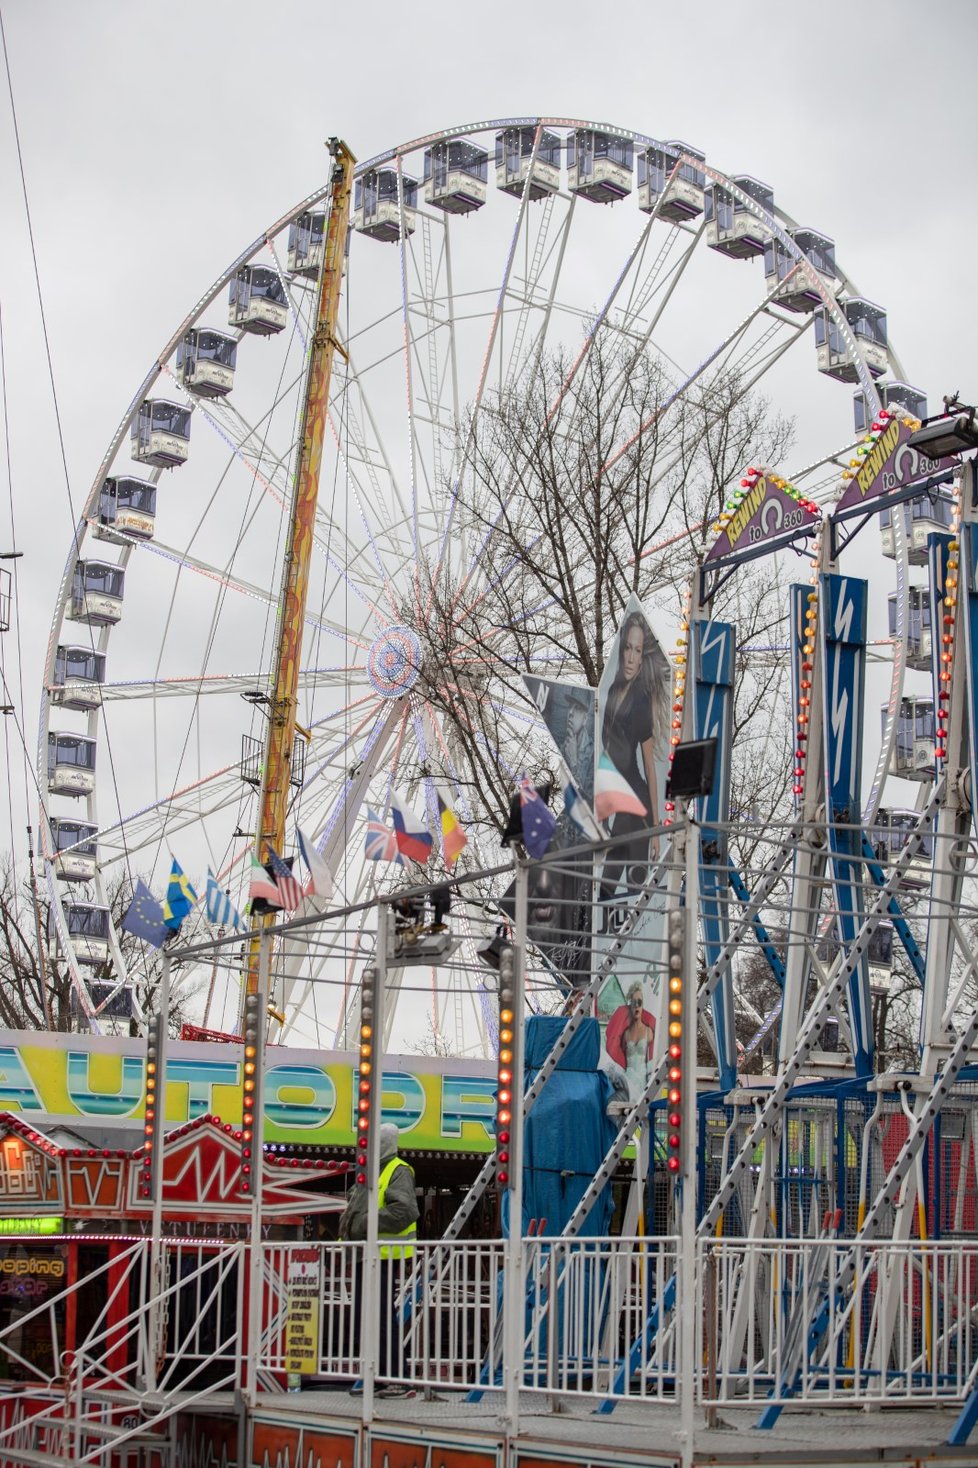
x: 765, y: 514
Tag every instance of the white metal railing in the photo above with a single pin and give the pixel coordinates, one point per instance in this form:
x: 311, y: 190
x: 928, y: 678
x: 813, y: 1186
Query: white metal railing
x: 833, y: 1321
x: 586, y: 1327
x: 823, y: 1321
x: 145, y: 1340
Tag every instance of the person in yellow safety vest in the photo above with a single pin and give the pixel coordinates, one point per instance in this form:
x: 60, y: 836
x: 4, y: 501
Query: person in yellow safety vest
x: 397, y: 1228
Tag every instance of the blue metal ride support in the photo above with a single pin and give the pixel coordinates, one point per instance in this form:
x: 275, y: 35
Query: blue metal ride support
x: 843, y: 633
x: 742, y: 894
x: 968, y: 586
x: 900, y: 925
x: 713, y: 645
x: 631, y: 1363
x: 965, y: 1424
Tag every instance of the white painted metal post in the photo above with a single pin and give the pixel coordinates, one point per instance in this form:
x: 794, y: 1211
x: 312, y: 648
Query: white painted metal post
x: 370, y: 1302
x: 256, y: 1262
x: 156, y: 1281
x: 514, y: 1289
x: 687, y: 850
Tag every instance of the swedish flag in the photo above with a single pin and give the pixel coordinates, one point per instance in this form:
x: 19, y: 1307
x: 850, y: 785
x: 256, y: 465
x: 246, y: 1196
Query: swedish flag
x: 180, y: 898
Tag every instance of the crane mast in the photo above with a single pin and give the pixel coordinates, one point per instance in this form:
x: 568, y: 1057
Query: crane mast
x: 281, y: 734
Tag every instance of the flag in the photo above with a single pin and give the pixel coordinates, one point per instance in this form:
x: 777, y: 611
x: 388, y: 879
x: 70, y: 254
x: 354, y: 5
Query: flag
x: 221, y: 911
x: 262, y: 888
x: 381, y: 842
x: 180, y: 898
x: 453, y: 838
x: 413, y: 837
x: 539, y: 821
x: 289, y: 887
x: 612, y: 792
x: 580, y: 813
x: 144, y: 917
x: 321, y: 878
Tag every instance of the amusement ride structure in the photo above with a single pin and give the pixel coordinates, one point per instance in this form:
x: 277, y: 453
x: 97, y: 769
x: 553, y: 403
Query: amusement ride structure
x: 819, y: 1211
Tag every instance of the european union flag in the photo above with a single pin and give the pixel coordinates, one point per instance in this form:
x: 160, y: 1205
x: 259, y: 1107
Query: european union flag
x: 180, y: 898
x: 144, y: 917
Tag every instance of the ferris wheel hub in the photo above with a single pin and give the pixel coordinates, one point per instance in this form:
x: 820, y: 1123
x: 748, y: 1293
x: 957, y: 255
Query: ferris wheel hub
x: 394, y: 662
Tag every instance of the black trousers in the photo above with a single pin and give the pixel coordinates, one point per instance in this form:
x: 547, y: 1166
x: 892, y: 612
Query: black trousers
x: 390, y: 1336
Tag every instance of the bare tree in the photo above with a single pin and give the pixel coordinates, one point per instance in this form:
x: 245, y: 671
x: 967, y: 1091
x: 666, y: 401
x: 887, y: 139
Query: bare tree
x: 591, y: 481
x: 27, y: 978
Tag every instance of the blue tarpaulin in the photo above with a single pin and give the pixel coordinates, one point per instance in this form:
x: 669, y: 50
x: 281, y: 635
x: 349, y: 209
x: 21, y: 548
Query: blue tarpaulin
x: 568, y: 1133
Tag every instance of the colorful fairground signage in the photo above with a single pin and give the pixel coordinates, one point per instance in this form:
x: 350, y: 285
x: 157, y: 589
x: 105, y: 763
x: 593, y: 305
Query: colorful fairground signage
x: 439, y: 1104
x: 886, y: 463
x: 764, y: 513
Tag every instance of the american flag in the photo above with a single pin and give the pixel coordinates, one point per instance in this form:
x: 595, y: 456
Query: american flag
x: 380, y: 843
x: 289, y: 887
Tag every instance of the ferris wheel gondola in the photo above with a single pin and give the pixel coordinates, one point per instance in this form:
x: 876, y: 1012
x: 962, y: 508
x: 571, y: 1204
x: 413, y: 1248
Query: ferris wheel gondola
x: 457, y: 313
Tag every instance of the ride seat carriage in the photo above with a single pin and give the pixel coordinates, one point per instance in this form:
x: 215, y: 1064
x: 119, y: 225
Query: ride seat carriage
x: 892, y: 829
x: 455, y: 173
x: 893, y: 395
x: 79, y: 673
x: 913, y: 755
x: 307, y: 235
x: 733, y: 226
x: 75, y: 849
x: 88, y: 931
x: 786, y: 281
x: 71, y: 764
x: 919, y: 629
x: 257, y: 301
x: 161, y: 434
x: 96, y: 593
x: 928, y: 514
x: 206, y: 361
x: 868, y: 325
x: 126, y: 511
x: 378, y: 203
x: 524, y: 164
x: 677, y: 189
x: 599, y: 165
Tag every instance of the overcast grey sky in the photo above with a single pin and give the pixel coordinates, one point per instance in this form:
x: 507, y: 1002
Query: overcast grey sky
x: 159, y: 139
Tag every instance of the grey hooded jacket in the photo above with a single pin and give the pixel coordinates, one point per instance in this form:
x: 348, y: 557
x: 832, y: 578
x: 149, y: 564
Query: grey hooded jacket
x: 400, y: 1205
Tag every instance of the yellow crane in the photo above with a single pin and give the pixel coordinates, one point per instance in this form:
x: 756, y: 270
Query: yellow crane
x: 281, y: 735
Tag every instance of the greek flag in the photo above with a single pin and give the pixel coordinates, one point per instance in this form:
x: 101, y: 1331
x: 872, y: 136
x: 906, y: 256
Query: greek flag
x: 221, y: 911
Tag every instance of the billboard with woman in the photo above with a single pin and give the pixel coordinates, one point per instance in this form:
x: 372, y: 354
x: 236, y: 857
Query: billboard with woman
x: 633, y: 723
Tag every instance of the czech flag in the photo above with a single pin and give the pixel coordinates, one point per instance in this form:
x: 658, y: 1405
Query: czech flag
x: 453, y: 838
x: 612, y: 792
x: 412, y: 835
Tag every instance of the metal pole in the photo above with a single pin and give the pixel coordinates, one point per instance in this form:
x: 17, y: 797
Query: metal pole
x: 370, y: 1302
x: 688, y: 851
x: 156, y: 1282
x: 514, y: 1290
x: 256, y: 1292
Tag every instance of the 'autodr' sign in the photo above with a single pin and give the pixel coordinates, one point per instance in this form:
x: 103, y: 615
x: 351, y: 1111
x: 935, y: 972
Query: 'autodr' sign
x: 309, y: 1095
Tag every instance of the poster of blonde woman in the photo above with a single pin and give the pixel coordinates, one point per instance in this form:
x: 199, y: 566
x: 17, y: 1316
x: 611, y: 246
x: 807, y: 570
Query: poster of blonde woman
x: 631, y: 762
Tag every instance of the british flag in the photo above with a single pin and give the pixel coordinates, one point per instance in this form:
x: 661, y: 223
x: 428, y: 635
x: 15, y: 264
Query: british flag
x: 289, y: 887
x: 380, y: 843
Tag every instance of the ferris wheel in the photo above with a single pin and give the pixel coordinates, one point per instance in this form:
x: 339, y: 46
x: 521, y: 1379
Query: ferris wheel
x: 476, y: 254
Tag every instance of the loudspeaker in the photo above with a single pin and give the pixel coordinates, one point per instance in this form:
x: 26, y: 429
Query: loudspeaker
x: 692, y: 770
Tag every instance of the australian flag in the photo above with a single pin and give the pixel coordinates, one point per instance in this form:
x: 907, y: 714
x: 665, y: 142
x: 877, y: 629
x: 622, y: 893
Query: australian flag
x: 539, y: 821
